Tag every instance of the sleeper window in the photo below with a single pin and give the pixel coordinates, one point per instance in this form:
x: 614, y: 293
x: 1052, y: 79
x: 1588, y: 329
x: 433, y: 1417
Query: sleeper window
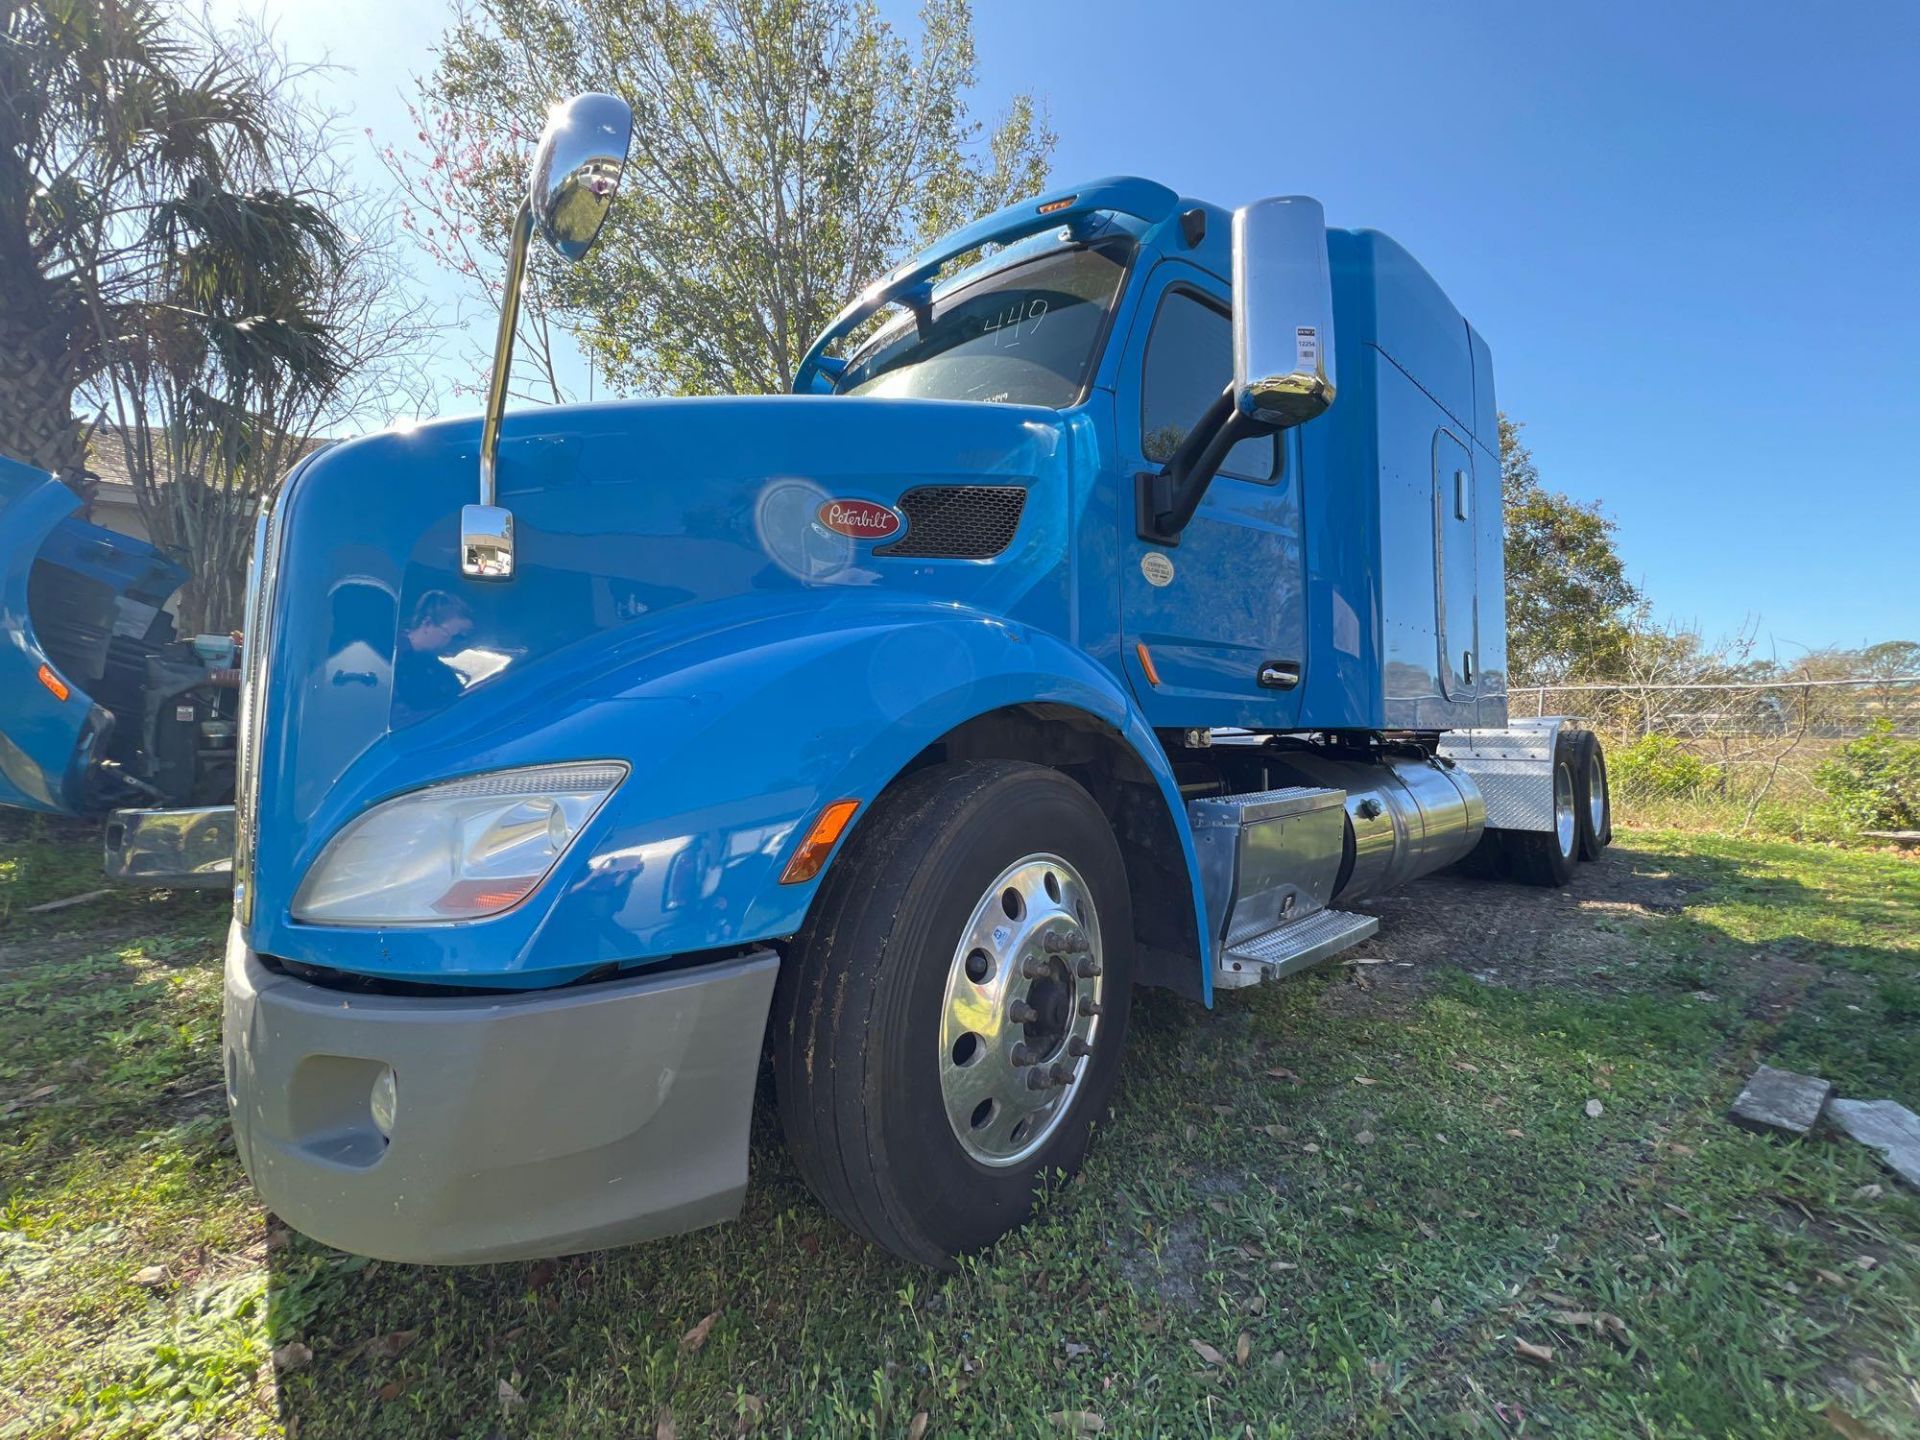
x: 1189, y: 362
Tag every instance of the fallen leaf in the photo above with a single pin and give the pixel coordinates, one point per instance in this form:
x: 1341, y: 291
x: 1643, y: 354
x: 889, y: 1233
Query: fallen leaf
x: 1680, y: 1210
x: 1282, y: 1265
x: 1829, y: 1276
x: 1218, y: 1206
x: 393, y: 1390
x: 292, y: 1356
x: 541, y: 1275
x: 1207, y: 1353
x: 752, y: 1409
x: 1516, y: 1134
x: 691, y: 1342
x: 278, y: 1240
x: 1867, y: 1262
x: 509, y: 1397
x: 1595, y: 1109
x: 663, y: 1426
x: 42, y: 1092
x: 1554, y: 1297
x: 387, y: 1347
x: 1080, y: 1422
x: 1846, y: 1425
x: 1243, y: 1349
x: 1541, y: 1355
x: 153, y: 1276
x: 918, y: 1429
x: 1470, y: 1068
x: 1075, y: 1349
x: 1685, y: 1152
x: 1257, y: 1305
x: 1365, y: 1137
x: 1439, y: 1310
x: 1311, y: 1148
x: 1280, y: 1072
x: 1223, y: 1110
x: 1278, y: 1132
x: 1365, y: 1080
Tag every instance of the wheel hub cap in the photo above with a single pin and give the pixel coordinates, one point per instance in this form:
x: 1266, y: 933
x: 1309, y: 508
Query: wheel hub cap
x: 1021, y: 1012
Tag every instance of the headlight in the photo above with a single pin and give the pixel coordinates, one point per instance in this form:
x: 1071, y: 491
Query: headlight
x: 454, y: 851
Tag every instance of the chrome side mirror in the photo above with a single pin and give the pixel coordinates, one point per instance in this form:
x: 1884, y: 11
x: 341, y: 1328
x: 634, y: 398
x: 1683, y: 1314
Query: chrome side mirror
x: 1283, y: 359
x: 576, y: 170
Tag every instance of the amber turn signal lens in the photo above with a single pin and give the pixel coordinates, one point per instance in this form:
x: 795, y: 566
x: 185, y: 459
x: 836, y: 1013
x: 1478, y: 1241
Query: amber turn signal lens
x: 54, y: 683
x: 1146, y: 664
x: 819, y: 843
x: 1053, y: 205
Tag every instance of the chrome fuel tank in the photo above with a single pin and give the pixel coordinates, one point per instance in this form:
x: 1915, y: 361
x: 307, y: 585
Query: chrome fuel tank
x: 1406, y: 817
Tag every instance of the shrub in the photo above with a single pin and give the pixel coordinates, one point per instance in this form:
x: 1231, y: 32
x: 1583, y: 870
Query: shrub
x: 1660, y: 765
x: 1875, y: 780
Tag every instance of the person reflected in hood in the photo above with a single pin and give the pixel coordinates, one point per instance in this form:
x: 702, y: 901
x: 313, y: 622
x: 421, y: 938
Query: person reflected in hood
x: 422, y: 680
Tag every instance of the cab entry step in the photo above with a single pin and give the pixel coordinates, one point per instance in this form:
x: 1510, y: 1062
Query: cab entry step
x: 1293, y: 946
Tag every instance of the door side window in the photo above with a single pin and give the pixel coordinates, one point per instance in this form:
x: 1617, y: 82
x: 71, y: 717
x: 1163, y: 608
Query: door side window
x: 1188, y: 363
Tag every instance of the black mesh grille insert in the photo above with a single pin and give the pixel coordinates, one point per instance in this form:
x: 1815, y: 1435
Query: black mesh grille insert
x: 958, y: 522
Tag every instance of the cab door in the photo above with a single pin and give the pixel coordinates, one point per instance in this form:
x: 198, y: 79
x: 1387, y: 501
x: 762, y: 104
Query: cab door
x: 1221, y: 615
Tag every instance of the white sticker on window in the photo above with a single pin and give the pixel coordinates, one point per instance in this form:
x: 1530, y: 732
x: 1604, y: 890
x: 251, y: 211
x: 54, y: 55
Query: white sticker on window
x: 1306, y: 341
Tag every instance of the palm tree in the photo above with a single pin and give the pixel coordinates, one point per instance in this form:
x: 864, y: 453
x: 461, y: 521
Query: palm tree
x: 129, y: 234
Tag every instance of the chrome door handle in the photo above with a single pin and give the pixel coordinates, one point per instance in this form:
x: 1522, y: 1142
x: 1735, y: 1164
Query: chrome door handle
x: 1280, y: 674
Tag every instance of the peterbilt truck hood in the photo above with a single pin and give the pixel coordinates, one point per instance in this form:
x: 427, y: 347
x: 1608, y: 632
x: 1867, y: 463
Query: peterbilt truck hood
x: 67, y: 588
x: 636, y: 525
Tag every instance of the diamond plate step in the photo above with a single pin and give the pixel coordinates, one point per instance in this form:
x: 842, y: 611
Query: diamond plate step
x: 1290, y: 947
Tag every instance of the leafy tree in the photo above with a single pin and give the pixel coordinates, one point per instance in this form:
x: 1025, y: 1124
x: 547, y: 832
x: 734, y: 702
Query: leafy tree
x: 127, y: 216
x: 785, y: 153
x: 251, y: 347
x: 1569, y: 601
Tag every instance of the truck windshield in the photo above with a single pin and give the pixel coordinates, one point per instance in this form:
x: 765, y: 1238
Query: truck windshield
x: 1025, y: 335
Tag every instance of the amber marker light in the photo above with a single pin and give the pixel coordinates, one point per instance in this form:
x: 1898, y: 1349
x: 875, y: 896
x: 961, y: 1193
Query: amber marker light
x: 1053, y: 205
x: 1146, y: 664
x: 54, y: 683
x: 819, y: 843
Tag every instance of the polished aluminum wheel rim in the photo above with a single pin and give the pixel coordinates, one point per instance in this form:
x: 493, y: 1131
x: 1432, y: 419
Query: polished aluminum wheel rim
x: 1563, y: 811
x: 1597, y: 795
x: 1021, y: 1014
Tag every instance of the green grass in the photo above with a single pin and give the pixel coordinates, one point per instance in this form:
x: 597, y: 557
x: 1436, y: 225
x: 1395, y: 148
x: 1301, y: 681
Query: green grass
x: 1377, y: 1249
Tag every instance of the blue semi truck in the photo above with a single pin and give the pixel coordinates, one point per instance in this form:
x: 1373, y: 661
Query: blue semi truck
x: 1062, y: 635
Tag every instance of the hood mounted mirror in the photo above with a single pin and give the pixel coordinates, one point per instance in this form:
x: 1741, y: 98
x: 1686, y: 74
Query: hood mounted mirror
x: 576, y: 170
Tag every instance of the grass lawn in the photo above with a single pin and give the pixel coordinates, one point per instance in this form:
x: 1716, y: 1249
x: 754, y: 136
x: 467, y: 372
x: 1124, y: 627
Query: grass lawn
x: 1336, y: 1206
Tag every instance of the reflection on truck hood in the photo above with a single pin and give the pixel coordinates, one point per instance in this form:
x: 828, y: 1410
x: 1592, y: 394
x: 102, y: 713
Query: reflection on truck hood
x: 655, y: 520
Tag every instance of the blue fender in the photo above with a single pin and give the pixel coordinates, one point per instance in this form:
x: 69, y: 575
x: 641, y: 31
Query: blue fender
x: 737, y: 736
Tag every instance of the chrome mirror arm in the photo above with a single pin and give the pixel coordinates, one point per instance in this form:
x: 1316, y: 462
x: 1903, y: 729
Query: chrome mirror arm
x: 486, y: 529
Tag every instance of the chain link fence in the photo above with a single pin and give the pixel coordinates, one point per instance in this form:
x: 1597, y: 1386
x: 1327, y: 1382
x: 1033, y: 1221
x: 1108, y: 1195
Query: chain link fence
x: 1731, y: 752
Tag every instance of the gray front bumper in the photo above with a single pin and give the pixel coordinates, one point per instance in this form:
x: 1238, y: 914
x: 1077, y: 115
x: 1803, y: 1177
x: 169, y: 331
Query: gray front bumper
x: 529, y: 1123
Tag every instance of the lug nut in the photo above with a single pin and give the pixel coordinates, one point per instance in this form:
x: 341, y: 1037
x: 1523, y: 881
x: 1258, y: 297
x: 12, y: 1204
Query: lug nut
x: 1022, y: 1013
x: 1034, y: 968
x: 1077, y: 1047
x: 1053, y: 942
x: 1089, y: 1007
x: 1087, y: 968
x: 1023, y: 1054
x: 1061, y: 1073
x: 1038, y: 1078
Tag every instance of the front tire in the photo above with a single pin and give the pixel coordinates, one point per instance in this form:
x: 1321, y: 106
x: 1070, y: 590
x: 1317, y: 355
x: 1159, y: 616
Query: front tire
x: 952, y: 1014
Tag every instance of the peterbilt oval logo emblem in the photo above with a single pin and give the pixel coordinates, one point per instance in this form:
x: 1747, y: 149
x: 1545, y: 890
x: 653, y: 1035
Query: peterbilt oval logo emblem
x: 861, y: 519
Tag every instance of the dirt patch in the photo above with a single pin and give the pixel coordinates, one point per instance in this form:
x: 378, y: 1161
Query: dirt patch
x: 1167, y: 1265
x: 1517, y: 936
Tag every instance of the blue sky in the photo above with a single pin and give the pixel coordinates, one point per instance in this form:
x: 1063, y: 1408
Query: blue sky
x: 1691, y: 233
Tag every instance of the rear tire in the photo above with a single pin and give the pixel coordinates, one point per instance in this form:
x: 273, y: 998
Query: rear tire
x: 940, y: 989
x: 1547, y: 858
x: 1592, y: 798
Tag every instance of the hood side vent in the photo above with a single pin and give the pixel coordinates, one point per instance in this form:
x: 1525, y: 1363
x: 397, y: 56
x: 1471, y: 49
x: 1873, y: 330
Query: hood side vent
x: 958, y: 522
